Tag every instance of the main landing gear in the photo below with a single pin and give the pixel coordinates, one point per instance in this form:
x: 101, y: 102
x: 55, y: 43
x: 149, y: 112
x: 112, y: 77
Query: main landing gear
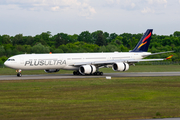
x: 76, y: 73
x: 96, y: 73
x: 18, y: 73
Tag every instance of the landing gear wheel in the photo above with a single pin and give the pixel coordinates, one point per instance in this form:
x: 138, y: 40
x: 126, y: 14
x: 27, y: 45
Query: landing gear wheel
x: 76, y: 73
x: 19, y: 75
x: 101, y: 73
x: 95, y: 73
x: 98, y: 73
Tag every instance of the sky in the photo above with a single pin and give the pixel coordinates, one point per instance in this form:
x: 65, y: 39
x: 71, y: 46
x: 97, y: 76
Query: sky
x: 32, y: 17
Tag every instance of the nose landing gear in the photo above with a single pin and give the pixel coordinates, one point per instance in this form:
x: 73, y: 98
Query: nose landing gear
x: 18, y: 73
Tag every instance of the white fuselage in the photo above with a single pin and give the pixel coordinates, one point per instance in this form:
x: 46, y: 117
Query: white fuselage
x: 65, y: 61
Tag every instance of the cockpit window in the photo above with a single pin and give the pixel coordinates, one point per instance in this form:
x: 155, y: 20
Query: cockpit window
x: 11, y: 60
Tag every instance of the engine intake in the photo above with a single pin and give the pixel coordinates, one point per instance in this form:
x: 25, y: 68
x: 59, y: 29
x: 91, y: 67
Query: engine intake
x: 51, y: 70
x: 87, y: 69
x: 120, y: 66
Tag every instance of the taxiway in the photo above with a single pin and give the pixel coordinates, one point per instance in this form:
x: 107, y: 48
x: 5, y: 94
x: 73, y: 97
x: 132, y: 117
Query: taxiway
x: 70, y: 76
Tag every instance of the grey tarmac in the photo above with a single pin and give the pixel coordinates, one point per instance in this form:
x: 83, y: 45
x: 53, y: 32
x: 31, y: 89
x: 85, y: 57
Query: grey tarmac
x: 163, y: 119
x: 70, y: 76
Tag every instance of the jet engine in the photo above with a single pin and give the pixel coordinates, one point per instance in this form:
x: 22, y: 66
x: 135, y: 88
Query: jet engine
x: 87, y: 69
x: 120, y: 66
x: 51, y: 70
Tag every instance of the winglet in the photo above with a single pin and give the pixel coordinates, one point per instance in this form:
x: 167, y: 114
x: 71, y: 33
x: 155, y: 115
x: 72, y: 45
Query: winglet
x: 169, y: 57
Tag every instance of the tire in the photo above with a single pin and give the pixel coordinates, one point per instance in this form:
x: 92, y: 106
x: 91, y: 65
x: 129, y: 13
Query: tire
x: 19, y: 75
x: 74, y: 73
x: 101, y: 73
x: 95, y: 73
x: 98, y: 73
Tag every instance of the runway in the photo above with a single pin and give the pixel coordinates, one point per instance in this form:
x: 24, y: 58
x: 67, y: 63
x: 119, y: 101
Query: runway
x: 70, y: 76
x: 164, y: 119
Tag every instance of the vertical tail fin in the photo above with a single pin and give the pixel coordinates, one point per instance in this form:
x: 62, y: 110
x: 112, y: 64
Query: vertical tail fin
x: 144, y: 42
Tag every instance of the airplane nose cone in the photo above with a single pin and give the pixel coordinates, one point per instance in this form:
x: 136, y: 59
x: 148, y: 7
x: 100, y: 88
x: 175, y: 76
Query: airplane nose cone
x: 6, y: 64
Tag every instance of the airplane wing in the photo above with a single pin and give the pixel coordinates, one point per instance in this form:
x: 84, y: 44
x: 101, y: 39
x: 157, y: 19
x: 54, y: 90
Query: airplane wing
x: 110, y: 62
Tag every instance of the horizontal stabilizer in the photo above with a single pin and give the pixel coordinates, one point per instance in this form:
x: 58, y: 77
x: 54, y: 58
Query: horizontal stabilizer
x: 169, y: 57
x: 157, y: 53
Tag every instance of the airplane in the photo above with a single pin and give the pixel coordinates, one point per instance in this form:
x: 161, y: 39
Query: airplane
x: 84, y: 63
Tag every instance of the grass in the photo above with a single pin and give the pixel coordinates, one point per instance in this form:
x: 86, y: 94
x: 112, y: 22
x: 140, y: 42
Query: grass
x: 93, y: 98
x: 138, y: 68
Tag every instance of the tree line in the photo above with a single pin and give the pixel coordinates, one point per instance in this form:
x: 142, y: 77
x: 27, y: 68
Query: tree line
x: 97, y: 41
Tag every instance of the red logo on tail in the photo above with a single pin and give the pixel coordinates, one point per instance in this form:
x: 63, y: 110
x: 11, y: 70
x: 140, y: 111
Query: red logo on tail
x: 144, y: 41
